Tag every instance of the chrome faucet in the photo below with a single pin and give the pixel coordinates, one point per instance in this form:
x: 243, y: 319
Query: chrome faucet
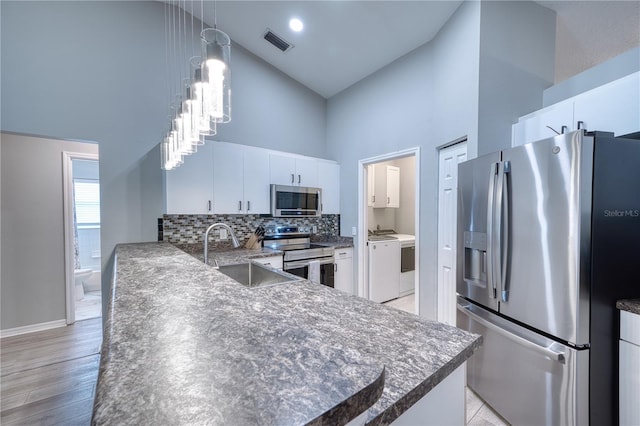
x: 234, y: 240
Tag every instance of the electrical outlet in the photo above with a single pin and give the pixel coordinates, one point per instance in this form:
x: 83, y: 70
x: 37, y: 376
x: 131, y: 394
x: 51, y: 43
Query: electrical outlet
x: 223, y: 234
x: 354, y: 231
x: 315, y: 229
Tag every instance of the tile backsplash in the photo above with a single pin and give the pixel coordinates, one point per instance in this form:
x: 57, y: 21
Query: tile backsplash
x: 190, y: 228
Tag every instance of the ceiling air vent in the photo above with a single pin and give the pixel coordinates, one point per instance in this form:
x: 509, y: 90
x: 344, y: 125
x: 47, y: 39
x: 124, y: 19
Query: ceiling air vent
x: 277, y: 41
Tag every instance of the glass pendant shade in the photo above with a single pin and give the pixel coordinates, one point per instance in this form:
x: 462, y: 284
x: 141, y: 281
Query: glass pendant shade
x: 199, y: 110
x: 216, y: 73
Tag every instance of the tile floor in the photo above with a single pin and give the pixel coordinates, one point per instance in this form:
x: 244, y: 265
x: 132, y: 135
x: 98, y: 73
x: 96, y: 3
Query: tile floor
x: 90, y: 306
x: 478, y: 412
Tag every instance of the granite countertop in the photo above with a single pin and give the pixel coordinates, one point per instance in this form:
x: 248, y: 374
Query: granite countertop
x: 184, y: 344
x: 336, y: 242
x: 629, y: 305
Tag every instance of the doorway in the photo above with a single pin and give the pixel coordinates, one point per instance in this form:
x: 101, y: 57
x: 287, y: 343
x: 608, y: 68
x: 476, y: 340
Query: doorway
x: 392, y: 211
x: 448, y: 159
x: 82, y: 236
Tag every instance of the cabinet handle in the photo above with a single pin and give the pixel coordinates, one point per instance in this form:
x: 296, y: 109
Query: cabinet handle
x: 335, y: 267
x: 564, y: 129
x: 580, y: 125
x: 374, y: 199
x: 248, y: 205
x: 266, y: 264
x: 292, y: 178
x: 240, y: 205
x: 343, y: 253
x: 388, y: 200
x: 209, y: 205
x: 298, y: 179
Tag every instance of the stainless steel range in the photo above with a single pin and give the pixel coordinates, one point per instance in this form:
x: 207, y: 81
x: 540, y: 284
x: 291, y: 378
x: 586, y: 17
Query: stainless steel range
x: 314, y: 262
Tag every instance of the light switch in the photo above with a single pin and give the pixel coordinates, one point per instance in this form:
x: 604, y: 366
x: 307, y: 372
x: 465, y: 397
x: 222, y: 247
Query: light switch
x: 354, y: 231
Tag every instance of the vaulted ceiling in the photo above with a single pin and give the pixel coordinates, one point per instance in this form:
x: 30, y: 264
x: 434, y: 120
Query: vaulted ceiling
x: 345, y: 41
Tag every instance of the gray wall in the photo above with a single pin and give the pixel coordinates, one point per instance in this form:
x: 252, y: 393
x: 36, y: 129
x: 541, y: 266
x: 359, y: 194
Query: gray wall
x: 32, y: 286
x: 96, y: 71
x: 487, y: 66
x: 517, y: 45
x: 427, y: 98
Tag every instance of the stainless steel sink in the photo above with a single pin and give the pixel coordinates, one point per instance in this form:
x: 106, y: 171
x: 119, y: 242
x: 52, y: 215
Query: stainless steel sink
x: 255, y: 275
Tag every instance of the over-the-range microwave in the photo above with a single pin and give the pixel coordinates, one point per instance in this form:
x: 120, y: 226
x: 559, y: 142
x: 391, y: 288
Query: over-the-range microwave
x: 295, y: 201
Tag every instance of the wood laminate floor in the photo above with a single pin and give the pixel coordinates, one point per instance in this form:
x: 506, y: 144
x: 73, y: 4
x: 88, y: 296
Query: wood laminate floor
x: 49, y: 377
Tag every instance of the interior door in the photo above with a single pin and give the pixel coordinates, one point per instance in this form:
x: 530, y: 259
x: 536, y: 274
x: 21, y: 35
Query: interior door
x: 450, y: 157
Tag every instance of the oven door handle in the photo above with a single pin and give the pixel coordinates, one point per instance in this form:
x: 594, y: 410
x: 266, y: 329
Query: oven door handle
x: 303, y: 263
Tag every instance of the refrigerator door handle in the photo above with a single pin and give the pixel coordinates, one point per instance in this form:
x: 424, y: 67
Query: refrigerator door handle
x: 547, y: 351
x: 491, y: 282
x: 503, y: 218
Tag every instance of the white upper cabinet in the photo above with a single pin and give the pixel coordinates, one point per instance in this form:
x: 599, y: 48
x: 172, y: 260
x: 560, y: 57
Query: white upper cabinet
x: 189, y: 188
x: 291, y: 170
x: 228, y: 178
x: 329, y: 181
x: 257, y: 192
x: 546, y: 123
x: 386, y: 186
x: 613, y: 107
x: 240, y: 179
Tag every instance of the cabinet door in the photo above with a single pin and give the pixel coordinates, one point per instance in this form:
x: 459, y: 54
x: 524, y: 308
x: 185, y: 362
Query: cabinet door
x: 228, y: 196
x: 306, y: 172
x: 393, y: 187
x: 371, y: 184
x: 189, y: 188
x: 384, y: 270
x: 343, y: 272
x: 329, y: 181
x: 629, y: 373
x: 379, y: 186
x: 544, y: 123
x: 282, y: 169
x: 613, y: 107
x: 256, y: 181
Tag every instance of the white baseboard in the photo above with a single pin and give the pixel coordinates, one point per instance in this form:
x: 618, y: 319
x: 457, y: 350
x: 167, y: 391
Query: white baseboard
x: 32, y: 328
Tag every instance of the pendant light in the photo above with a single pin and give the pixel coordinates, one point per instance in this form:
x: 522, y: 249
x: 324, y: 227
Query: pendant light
x: 216, y: 72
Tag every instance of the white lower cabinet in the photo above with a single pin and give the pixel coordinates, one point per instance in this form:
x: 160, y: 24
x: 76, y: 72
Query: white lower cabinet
x: 343, y: 270
x: 629, y: 369
x: 384, y: 267
x: 271, y: 261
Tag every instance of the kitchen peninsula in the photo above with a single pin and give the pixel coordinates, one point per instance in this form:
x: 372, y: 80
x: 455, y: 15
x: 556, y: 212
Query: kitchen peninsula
x: 185, y: 344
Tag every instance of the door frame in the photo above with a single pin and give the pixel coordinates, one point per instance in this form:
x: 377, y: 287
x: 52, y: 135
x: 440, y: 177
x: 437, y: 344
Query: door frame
x: 440, y: 289
x: 67, y: 203
x: 362, y: 232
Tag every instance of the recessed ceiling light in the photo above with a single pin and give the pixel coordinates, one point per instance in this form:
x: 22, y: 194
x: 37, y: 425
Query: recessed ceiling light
x: 296, y: 25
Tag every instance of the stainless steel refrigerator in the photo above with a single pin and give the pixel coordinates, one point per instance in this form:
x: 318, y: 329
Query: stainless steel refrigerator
x: 548, y: 240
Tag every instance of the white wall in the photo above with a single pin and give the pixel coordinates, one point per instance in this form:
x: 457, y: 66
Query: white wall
x: 426, y: 98
x: 96, y: 71
x: 32, y: 286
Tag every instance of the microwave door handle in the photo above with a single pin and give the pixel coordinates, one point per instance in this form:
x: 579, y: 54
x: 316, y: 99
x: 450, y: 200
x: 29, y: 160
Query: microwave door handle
x: 292, y: 178
x: 491, y: 287
x: 504, y: 226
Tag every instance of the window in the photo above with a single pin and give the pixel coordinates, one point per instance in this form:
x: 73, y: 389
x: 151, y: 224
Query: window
x: 86, y: 194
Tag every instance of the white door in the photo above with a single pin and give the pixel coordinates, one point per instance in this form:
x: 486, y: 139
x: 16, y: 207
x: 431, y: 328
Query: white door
x: 228, y: 192
x: 450, y: 157
x: 306, y: 172
x: 393, y: 187
x: 256, y: 182
x: 189, y: 188
x: 329, y: 181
